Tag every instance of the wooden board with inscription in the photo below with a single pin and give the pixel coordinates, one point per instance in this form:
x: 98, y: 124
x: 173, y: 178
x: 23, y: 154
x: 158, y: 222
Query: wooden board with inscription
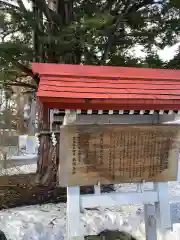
x: 118, y: 153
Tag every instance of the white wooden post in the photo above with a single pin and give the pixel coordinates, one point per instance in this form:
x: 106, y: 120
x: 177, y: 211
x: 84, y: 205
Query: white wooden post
x: 162, y: 207
x: 149, y: 217
x: 150, y: 222
x: 97, y: 189
x: 74, y: 230
x: 51, y: 118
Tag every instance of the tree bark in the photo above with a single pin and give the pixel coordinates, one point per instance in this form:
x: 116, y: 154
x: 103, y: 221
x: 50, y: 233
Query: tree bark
x: 48, y: 162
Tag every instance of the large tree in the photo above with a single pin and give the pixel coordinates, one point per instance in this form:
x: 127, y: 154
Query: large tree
x: 82, y: 31
x: 85, y: 31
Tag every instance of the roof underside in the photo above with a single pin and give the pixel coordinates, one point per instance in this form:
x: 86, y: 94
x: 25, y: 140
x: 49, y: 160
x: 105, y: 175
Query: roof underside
x: 102, y: 87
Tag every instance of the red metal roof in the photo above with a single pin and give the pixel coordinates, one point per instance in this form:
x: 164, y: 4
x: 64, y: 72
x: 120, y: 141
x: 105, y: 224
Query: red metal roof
x: 105, y: 87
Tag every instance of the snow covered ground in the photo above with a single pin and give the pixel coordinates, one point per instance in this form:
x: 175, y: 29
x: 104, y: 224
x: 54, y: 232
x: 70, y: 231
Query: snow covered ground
x: 25, y: 169
x: 48, y: 221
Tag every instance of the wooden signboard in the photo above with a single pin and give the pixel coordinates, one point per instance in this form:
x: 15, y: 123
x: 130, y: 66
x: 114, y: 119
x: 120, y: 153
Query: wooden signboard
x: 9, y: 144
x: 6, y: 140
x: 118, y: 153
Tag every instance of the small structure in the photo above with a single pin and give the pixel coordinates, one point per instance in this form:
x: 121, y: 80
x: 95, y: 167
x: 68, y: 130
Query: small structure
x: 9, y: 146
x: 118, y: 131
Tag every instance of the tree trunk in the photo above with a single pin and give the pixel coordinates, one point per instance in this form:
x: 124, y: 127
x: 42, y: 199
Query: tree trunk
x: 48, y: 162
x: 47, y: 167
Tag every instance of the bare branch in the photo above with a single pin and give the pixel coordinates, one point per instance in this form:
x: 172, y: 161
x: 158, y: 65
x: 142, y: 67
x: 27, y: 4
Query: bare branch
x: 51, y: 15
x: 2, y: 3
x: 21, y: 5
x: 22, y: 67
x: 41, y: 4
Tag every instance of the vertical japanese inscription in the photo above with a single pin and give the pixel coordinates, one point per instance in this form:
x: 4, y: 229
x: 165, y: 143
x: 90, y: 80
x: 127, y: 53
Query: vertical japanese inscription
x: 94, y: 158
x: 168, y: 144
x: 120, y: 150
x: 154, y: 160
x: 86, y: 148
x: 74, y: 155
x: 127, y: 155
x: 79, y: 146
x: 123, y: 152
x: 113, y: 154
x: 142, y: 152
x: 131, y: 157
x: 101, y: 148
x: 110, y: 154
x: 137, y: 154
x: 93, y: 154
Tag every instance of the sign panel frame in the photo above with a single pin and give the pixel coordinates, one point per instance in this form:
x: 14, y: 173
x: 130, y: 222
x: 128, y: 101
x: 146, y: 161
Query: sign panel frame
x: 146, y: 153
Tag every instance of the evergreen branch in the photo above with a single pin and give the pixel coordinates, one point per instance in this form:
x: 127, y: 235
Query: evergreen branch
x: 111, y: 36
x: 120, y: 19
x: 21, y: 84
x: 23, y: 68
x: 5, y: 34
x: 90, y: 54
x: 23, y: 16
x: 138, y: 6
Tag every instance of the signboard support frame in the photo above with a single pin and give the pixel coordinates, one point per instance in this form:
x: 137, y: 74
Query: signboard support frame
x: 155, y: 201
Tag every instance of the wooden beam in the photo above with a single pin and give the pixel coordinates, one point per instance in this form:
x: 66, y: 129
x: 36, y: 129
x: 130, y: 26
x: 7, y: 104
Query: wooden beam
x: 117, y: 199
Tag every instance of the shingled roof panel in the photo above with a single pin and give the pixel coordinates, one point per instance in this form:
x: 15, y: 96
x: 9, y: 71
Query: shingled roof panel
x: 99, y: 86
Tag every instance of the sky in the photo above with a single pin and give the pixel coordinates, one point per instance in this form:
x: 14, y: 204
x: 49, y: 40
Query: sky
x: 165, y: 54
x: 168, y: 52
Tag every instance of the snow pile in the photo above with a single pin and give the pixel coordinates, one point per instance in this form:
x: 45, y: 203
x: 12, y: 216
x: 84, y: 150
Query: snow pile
x: 25, y: 169
x: 34, y: 222
x: 47, y: 222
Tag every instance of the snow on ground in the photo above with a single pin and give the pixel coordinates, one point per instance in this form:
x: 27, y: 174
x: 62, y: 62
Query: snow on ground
x: 25, y: 169
x: 48, y: 221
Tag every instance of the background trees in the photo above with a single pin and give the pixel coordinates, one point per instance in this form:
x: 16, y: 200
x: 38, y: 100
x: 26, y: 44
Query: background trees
x: 83, y: 31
